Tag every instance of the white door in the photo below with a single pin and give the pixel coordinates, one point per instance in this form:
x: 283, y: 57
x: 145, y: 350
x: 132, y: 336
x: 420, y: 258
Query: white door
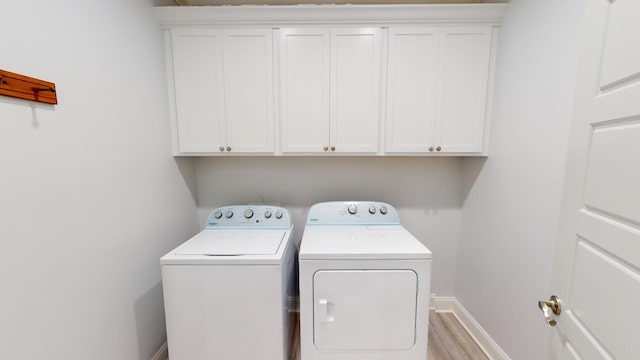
x: 197, y: 66
x: 411, y: 89
x: 248, y: 89
x: 355, y: 87
x: 364, y: 309
x: 462, y: 90
x: 597, y: 269
x: 304, y: 90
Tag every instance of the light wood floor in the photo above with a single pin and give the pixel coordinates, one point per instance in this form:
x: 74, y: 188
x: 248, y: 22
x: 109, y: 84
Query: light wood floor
x: 448, y: 340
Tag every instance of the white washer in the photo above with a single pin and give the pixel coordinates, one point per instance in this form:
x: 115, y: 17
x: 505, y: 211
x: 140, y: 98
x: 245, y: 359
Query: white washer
x: 226, y: 289
x: 364, y: 285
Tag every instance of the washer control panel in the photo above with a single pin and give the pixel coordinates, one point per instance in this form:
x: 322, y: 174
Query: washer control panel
x: 352, y: 213
x: 249, y: 217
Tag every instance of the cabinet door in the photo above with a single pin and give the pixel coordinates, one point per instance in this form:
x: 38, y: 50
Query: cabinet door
x: 304, y: 90
x: 355, y: 86
x: 364, y: 309
x: 199, y: 95
x: 248, y: 89
x: 462, y: 96
x: 411, y: 90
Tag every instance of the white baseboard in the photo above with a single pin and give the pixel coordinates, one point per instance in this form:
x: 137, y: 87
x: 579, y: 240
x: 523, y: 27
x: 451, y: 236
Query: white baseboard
x: 486, y: 343
x: 441, y: 303
x: 162, y: 353
x: 438, y: 304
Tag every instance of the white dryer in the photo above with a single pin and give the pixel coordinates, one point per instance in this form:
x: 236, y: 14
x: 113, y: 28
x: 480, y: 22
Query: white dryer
x: 364, y: 285
x: 226, y: 289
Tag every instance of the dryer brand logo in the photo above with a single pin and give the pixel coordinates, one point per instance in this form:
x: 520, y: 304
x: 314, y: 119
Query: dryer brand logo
x: 213, y: 223
x: 314, y: 219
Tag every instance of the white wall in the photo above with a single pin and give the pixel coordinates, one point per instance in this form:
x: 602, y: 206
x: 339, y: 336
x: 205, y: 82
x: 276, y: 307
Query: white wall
x: 512, y: 200
x: 90, y: 196
x: 426, y: 191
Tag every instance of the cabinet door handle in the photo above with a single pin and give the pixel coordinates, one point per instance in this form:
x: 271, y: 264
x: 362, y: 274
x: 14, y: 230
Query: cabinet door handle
x: 228, y: 148
x: 430, y: 148
x: 439, y: 148
x: 326, y: 148
x: 333, y: 148
x: 221, y: 148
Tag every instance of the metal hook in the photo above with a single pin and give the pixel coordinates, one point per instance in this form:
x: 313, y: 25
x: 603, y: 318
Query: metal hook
x: 46, y: 89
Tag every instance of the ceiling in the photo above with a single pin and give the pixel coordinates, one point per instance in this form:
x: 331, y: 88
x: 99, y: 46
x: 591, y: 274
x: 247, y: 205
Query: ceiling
x: 296, y: 2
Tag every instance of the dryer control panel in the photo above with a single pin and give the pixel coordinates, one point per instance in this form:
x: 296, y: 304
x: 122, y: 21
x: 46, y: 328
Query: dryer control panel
x: 353, y: 213
x: 249, y: 217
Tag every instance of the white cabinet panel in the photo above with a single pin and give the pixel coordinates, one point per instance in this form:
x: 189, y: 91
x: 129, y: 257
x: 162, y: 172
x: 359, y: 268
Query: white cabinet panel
x: 304, y: 89
x: 437, y: 89
x: 383, y: 300
x: 223, y: 90
x: 355, y: 86
x: 248, y: 88
x: 462, y: 90
x: 199, y: 97
x: 411, y: 89
x: 329, y: 95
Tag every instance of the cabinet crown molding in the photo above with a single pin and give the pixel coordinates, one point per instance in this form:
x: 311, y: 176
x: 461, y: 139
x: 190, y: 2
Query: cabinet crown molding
x: 170, y: 16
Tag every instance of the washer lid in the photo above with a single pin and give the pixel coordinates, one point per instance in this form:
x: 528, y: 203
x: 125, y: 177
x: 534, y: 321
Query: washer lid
x: 361, y: 243
x: 233, y: 242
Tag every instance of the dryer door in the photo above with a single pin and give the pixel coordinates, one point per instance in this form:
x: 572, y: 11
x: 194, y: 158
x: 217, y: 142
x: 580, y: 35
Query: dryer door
x: 364, y: 309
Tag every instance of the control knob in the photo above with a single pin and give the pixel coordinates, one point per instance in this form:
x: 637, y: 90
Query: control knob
x: 267, y: 214
x: 218, y: 214
x: 352, y: 209
x: 372, y: 210
x: 278, y: 214
x: 228, y: 214
x: 383, y: 210
x: 248, y: 214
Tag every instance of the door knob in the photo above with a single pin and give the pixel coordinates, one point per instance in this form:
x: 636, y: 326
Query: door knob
x: 554, y: 305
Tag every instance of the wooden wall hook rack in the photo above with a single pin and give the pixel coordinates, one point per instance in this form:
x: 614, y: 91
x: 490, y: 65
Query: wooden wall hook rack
x: 27, y: 88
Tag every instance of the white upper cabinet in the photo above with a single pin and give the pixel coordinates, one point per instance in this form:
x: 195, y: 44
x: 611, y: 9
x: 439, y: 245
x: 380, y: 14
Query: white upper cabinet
x: 248, y: 89
x: 437, y: 89
x: 223, y: 90
x: 304, y: 90
x: 462, y: 89
x: 411, y: 89
x: 321, y: 80
x: 199, y: 92
x: 329, y: 90
x: 355, y: 88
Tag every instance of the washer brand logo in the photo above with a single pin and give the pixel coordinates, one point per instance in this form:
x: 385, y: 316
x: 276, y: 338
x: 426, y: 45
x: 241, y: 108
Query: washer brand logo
x: 213, y: 223
x: 314, y: 219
